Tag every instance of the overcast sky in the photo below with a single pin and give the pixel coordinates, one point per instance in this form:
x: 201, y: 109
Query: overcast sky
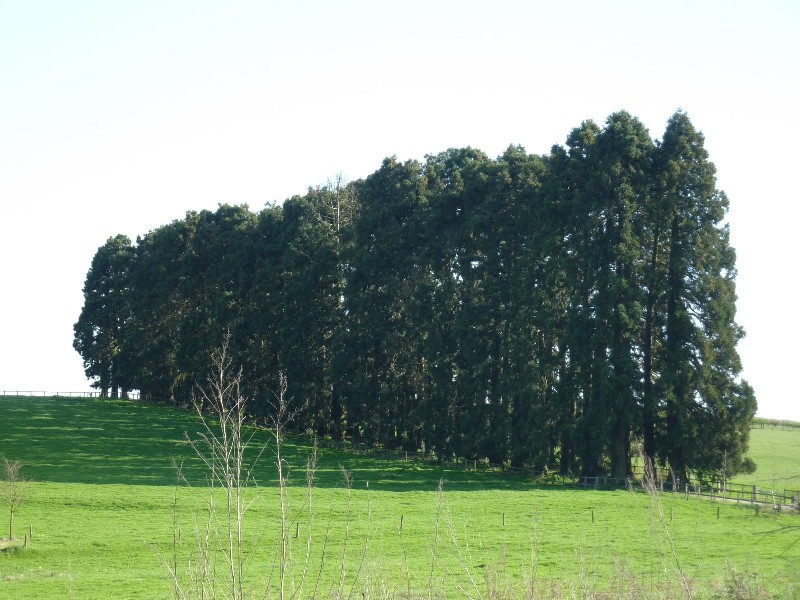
x: 118, y: 117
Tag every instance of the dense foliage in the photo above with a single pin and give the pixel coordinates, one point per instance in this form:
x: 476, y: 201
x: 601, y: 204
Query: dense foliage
x: 550, y: 310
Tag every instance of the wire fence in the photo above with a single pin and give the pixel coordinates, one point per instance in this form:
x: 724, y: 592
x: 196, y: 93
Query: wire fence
x: 772, y: 424
x: 758, y: 497
x: 61, y: 394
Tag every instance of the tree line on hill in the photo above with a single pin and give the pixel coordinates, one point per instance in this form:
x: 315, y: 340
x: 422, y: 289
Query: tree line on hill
x: 552, y: 311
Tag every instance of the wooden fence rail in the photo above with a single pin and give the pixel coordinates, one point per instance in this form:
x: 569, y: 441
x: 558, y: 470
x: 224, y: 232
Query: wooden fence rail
x: 44, y: 393
x: 779, y: 500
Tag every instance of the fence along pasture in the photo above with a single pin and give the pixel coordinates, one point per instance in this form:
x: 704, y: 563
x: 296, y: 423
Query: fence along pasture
x: 779, y: 500
x: 44, y: 394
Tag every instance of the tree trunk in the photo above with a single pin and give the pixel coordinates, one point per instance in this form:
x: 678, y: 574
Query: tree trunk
x: 649, y: 400
x: 620, y: 459
x: 674, y: 367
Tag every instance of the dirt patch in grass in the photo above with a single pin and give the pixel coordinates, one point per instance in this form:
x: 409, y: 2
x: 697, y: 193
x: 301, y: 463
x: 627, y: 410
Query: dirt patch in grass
x: 7, y: 544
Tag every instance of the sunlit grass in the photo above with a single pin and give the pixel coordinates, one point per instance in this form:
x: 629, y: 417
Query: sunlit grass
x: 777, y: 456
x: 101, y: 511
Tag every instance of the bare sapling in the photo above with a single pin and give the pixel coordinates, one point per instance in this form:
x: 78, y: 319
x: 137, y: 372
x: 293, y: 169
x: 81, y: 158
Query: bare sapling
x: 279, y: 418
x: 435, y: 549
x: 311, y: 469
x: 463, y: 555
x: 225, y: 446
x: 222, y: 444
x: 13, y: 490
x: 348, y: 483
x: 652, y: 484
x: 365, y: 547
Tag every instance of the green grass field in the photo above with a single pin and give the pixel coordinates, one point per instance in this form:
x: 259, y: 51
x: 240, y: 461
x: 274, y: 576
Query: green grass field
x: 777, y: 455
x: 105, y: 509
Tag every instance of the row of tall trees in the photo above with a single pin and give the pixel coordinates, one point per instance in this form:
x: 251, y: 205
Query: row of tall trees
x: 550, y: 311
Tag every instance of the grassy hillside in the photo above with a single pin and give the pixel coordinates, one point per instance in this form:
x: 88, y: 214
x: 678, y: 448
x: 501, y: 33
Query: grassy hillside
x: 776, y: 451
x: 105, y: 511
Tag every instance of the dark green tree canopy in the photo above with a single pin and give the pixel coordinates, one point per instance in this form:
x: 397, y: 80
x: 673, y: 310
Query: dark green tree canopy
x: 554, y: 311
x: 99, y: 332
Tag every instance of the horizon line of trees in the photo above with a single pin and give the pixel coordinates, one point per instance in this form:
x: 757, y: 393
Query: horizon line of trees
x: 551, y: 311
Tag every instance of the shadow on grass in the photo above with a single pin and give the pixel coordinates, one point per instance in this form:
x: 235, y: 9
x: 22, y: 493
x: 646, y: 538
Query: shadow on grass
x: 104, y: 441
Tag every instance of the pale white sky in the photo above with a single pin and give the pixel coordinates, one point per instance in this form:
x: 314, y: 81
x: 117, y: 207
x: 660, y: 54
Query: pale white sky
x: 118, y: 117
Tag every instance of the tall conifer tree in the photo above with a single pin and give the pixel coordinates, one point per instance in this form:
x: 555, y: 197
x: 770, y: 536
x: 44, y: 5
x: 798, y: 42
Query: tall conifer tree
x: 100, y: 328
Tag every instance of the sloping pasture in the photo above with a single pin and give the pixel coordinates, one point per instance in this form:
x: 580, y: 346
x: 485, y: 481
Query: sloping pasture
x: 109, y: 519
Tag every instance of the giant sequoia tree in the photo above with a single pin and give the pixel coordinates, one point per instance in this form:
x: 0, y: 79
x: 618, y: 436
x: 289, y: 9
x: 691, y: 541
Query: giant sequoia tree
x: 100, y: 329
x: 707, y: 407
x: 549, y: 311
